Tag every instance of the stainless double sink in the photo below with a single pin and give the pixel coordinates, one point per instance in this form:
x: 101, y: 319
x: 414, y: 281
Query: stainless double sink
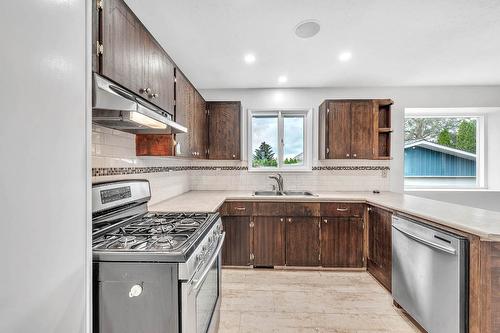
x: 284, y: 193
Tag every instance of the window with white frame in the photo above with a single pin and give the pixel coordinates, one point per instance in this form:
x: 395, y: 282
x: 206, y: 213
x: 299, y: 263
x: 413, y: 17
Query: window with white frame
x: 442, y: 152
x: 279, y: 140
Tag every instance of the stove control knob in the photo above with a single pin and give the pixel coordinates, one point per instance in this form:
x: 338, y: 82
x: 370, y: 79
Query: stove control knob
x: 135, y: 291
x: 209, y: 239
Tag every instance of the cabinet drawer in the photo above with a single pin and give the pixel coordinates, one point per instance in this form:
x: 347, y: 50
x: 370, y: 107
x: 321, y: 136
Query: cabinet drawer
x: 236, y: 208
x: 302, y: 209
x: 340, y: 209
x: 268, y: 209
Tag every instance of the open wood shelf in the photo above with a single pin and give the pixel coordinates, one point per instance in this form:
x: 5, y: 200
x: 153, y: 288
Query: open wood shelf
x: 383, y: 130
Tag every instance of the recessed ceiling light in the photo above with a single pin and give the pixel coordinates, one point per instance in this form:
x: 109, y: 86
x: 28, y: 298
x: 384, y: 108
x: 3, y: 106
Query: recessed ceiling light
x: 249, y: 58
x: 307, y: 28
x: 345, y: 56
x: 282, y: 79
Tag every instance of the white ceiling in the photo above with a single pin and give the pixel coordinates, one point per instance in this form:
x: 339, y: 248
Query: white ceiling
x: 393, y: 43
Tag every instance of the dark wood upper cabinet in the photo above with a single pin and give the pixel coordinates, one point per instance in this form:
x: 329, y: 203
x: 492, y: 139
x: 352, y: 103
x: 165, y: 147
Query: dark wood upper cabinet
x: 224, y: 130
x: 159, y: 72
x: 236, y: 248
x: 190, y: 111
x: 322, y: 131
x: 342, y: 242
x: 380, y: 245
x: 184, y: 113
x: 348, y: 129
x: 132, y: 57
x: 123, y: 45
x: 382, y: 129
x: 268, y: 241
x: 199, y: 132
x: 302, y: 241
x: 339, y: 130
x: 127, y: 53
x: 361, y: 130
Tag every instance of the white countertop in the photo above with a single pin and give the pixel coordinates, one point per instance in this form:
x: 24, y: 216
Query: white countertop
x: 480, y: 222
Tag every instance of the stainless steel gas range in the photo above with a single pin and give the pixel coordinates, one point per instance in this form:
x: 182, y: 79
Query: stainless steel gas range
x: 153, y: 271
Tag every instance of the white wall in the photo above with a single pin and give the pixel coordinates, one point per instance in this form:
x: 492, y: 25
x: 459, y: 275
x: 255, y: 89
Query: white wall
x: 44, y: 170
x: 116, y: 149
x: 404, y: 97
x: 493, y: 150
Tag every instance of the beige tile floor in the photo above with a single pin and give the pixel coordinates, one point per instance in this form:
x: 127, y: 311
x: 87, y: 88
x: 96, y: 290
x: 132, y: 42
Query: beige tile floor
x: 256, y: 300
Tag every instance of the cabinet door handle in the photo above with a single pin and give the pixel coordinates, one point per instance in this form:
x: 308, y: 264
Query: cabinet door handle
x: 346, y: 155
x: 289, y: 220
x: 354, y: 155
x: 281, y: 219
x: 240, y: 208
x: 325, y: 220
x: 342, y: 209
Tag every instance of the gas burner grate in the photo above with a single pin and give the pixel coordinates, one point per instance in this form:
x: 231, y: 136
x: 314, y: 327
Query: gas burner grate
x: 153, y: 232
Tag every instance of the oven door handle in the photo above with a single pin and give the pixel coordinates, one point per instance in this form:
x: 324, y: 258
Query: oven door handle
x: 198, y: 282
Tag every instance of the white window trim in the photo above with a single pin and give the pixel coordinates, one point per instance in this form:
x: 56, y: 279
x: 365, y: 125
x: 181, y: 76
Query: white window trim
x: 307, y: 167
x: 480, y: 153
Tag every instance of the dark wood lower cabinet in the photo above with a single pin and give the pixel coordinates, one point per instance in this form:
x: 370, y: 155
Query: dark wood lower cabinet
x: 380, y: 245
x: 236, y: 249
x: 258, y: 234
x: 341, y: 242
x: 268, y: 241
x: 302, y: 241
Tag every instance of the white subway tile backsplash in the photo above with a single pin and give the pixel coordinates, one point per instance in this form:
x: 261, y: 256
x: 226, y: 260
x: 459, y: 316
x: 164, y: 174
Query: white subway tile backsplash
x: 116, y: 149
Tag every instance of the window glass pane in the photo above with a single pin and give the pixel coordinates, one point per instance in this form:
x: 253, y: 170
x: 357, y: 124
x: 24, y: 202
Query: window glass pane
x: 440, y: 152
x: 293, y: 139
x: 264, y: 141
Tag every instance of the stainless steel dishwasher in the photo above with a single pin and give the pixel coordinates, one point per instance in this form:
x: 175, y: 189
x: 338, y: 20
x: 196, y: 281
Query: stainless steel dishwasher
x: 430, y: 275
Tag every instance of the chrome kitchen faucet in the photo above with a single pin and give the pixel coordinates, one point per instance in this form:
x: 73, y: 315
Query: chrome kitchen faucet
x: 279, y: 179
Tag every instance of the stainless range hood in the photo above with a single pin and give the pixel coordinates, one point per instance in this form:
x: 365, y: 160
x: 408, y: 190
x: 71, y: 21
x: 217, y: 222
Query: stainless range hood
x: 115, y: 107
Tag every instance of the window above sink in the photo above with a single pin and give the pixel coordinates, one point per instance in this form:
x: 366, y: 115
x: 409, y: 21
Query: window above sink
x: 279, y: 140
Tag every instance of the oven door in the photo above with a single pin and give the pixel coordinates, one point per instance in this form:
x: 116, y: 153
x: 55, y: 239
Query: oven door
x: 201, y: 296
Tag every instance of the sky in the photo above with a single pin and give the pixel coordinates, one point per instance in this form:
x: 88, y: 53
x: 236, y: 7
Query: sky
x: 266, y: 130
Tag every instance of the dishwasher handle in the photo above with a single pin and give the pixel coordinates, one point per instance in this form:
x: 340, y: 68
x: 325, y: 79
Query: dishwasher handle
x: 440, y: 247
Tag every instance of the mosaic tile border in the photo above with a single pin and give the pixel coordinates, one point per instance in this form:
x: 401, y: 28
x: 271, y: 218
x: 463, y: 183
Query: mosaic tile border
x: 350, y: 168
x: 97, y: 172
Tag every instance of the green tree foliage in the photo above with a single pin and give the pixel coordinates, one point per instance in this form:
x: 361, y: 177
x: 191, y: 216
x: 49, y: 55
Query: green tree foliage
x: 264, y: 156
x: 456, y: 133
x: 466, y: 136
x: 428, y: 128
x: 445, y: 138
x: 291, y: 160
